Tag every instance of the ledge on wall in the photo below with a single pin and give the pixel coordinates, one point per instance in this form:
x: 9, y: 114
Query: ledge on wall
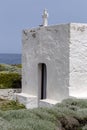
x: 48, y: 103
x: 29, y: 101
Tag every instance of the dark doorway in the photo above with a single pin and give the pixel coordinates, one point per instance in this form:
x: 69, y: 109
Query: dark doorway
x: 43, y: 80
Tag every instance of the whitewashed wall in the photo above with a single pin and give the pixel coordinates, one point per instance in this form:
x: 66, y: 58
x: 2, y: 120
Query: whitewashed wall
x: 49, y: 45
x: 78, y: 60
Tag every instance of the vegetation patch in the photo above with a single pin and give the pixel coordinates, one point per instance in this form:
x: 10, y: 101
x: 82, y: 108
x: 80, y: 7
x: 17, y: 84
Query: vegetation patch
x: 10, y: 80
x: 59, y: 117
x: 10, y: 105
x: 10, y: 68
x: 10, y: 76
x: 17, y: 65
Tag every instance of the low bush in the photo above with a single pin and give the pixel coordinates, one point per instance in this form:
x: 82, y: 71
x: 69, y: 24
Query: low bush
x: 4, y: 124
x: 42, y: 113
x: 59, y: 117
x: 73, y: 103
x: 10, y: 80
x: 84, y: 127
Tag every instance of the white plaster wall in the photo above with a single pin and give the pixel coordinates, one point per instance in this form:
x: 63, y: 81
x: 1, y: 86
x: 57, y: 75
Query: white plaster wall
x: 78, y: 60
x: 49, y: 45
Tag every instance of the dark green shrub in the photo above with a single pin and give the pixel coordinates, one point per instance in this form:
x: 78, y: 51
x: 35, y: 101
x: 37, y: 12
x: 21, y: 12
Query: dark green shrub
x: 10, y: 80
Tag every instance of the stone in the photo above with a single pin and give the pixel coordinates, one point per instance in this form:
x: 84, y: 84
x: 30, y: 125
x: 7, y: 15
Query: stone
x: 30, y: 101
x: 8, y: 93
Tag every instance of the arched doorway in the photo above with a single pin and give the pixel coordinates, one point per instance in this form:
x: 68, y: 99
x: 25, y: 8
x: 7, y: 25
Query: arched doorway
x: 42, y: 80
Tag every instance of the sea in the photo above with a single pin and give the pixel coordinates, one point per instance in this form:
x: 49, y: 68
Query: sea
x: 10, y: 58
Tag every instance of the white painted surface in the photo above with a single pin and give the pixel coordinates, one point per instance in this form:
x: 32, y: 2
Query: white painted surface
x: 49, y: 45
x: 45, y: 17
x: 63, y: 48
x: 78, y: 60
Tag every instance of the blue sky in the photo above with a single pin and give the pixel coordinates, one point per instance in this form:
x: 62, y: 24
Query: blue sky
x: 16, y: 15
